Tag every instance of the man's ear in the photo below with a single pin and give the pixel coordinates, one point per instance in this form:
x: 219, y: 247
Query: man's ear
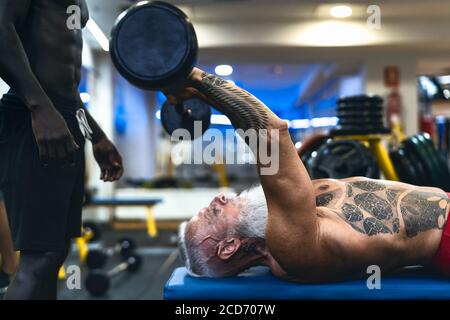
x: 228, y: 247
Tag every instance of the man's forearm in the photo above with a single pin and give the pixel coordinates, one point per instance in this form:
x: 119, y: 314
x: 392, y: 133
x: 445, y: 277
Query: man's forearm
x: 16, y: 71
x: 243, y: 109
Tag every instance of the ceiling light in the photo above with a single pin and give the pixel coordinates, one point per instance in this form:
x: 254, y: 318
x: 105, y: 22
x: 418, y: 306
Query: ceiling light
x: 223, y: 70
x: 341, y: 11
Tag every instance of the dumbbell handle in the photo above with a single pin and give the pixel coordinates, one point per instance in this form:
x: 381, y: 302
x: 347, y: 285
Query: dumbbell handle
x: 121, y: 267
x: 112, y: 250
x: 181, y: 109
x: 118, y: 269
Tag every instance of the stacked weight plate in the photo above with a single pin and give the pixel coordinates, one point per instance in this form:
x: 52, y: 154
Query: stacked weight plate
x: 417, y: 161
x: 361, y: 114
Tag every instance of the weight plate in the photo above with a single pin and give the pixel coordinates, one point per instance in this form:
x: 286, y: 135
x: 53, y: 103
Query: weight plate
x: 360, y: 113
x: 361, y: 123
x: 414, y: 146
x: 359, y: 110
x: 424, y: 178
x: 194, y: 110
x: 368, y: 98
x: 439, y: 164
x: 342, y: 159
x: 93, y: 228
x: 312, y: 144
x: 339, y: 131
x: 405, y: 169
x: 153, y: 44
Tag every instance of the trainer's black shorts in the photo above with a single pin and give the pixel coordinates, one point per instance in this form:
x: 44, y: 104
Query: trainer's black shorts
x: 43, y: 202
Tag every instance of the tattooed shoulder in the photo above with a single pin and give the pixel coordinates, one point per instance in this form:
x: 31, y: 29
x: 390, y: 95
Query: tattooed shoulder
x: 423, y: 211
x: 324, y: 199
x: 368, y: 185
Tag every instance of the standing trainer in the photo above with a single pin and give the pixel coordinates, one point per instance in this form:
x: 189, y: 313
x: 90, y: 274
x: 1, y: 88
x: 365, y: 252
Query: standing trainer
x: 43, y: 127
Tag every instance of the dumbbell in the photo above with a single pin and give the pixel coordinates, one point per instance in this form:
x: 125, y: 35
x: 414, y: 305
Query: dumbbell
x: 98, y: 282
x: 97, y: 258
x: 153, y: 45
x: 92, y: 232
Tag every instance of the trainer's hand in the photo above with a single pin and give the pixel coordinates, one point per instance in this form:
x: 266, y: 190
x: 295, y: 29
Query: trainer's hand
x: 108, y: 159
x: 55, y: 142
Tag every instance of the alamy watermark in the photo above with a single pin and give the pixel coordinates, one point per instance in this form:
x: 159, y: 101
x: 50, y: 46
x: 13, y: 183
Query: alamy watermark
x: 374, y: 20
x: 73, y: 280
x: 374, y: 280
x: 73, y: 22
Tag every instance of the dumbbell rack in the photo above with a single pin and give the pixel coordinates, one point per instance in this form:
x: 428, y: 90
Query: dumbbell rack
x: 361, y: 119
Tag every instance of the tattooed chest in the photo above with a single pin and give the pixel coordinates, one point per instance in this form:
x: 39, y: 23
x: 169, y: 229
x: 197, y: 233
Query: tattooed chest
x: 372, y: 208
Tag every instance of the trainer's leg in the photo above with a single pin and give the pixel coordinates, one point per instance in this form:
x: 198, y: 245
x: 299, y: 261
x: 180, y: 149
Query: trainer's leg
x: 9, y: 257
x: 37, y: 275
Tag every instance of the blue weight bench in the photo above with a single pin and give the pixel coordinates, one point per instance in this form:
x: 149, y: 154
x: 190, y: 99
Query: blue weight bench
x: 260, y: 284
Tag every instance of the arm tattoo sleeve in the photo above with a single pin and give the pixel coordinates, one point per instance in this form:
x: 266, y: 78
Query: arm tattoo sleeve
x: 244, y: 110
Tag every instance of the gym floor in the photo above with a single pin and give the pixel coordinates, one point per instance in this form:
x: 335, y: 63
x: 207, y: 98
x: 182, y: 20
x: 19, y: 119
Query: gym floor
x: 160, y: 258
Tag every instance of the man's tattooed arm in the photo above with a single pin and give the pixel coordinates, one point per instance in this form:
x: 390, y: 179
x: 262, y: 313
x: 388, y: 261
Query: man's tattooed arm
x: 243, y: 109
x: 288, y: 188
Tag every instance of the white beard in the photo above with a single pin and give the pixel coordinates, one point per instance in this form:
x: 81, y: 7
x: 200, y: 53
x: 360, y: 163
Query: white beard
x: 253, y: 215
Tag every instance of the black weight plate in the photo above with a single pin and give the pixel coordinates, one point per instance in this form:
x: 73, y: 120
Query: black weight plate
x: 414, y: 146
x: 361, y: 119
x: 441, y: 162
x: 95, y: 228
x: 172, y: 118
x: 439, y: 165
x: 424, y: 178
x: 153, y: 44
x: 360, y: 113
x: 370, y: 98
x: 313, y: 147
x: 368, y: 128
x: 360, y: 123
x: 345, y: 131
x: 340, y: 159
x: 359, y: 108
x: 404, y: 168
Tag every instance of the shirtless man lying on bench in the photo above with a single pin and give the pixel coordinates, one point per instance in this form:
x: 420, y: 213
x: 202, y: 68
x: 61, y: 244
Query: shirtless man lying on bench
x: 303, y: 230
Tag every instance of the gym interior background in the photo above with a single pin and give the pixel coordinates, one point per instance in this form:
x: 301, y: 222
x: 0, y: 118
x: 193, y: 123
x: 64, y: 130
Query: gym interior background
x: 300, y: 58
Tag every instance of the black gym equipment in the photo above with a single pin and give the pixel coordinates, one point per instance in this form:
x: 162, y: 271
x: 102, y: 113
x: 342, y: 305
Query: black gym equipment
x: 340, y: 159
x: 154, y: 46
x: 360, y: 115
x: 417, y: 161
x: 99, y: 282
x: 311, y: 144
x: 407, y: 167
x: 97, y: 259
x: 92, y: 232
x: 185, y: 116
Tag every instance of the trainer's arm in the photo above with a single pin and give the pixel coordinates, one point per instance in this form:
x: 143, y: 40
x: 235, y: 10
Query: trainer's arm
x: 289, y: 192
x: 97, y: 132
x: 15, y: 68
